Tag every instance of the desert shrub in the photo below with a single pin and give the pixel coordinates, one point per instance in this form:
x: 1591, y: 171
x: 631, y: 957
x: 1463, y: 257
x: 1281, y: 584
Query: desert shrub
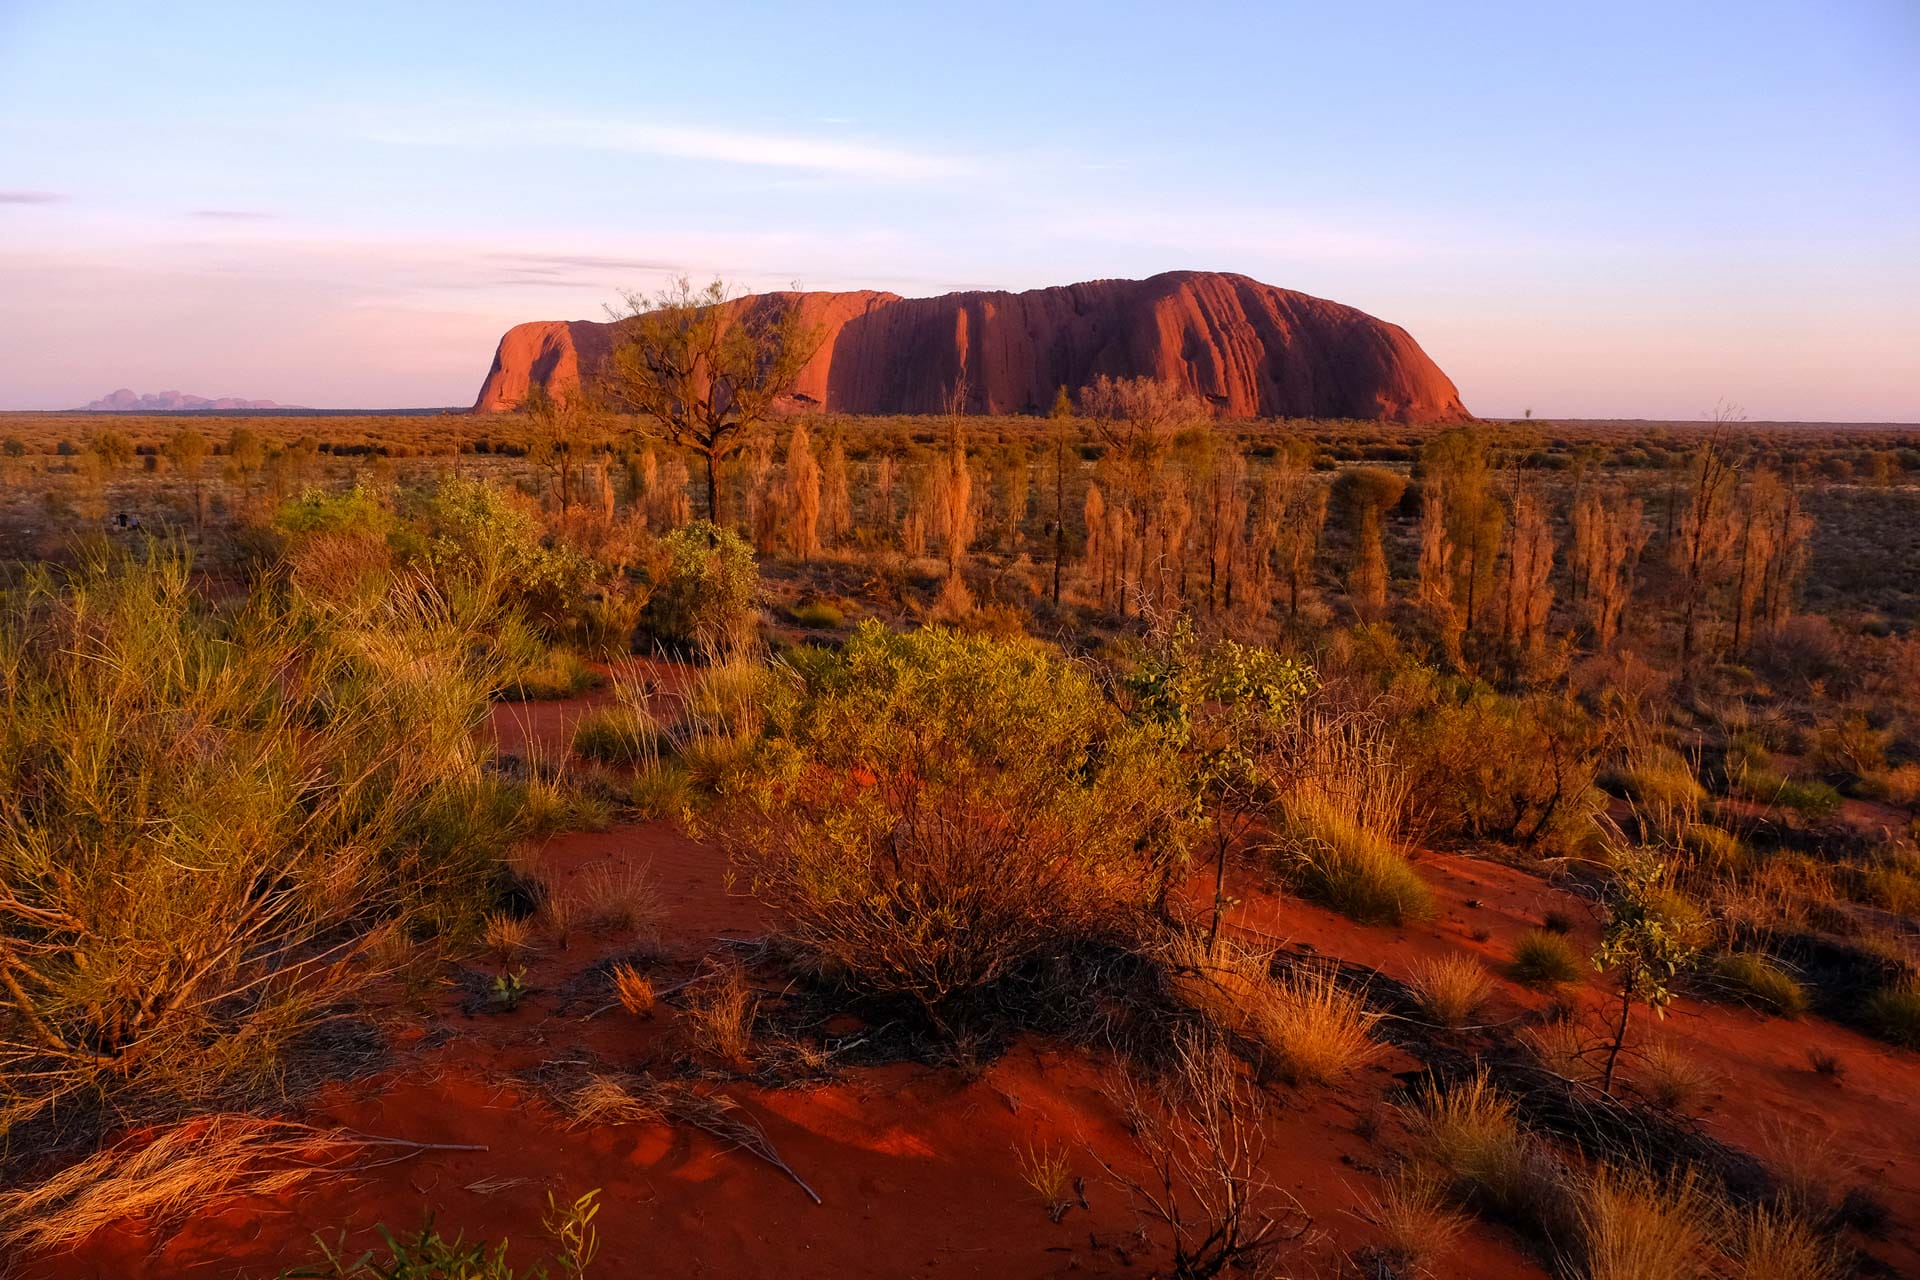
x: 1893, y: 1014
x: 1451, y: 989
x: 1801, y: 646
x: 819, y: 614
x: 1356, y: 871
x: 207, y: 816
x: 959, y: 804
x: 707, y: 591
x: 1489, y: 767
x: 358, y: 510
x: 1756, y: 978
x: 1203, y: 1188
x: 1543, y: 959
x: 476, y: 538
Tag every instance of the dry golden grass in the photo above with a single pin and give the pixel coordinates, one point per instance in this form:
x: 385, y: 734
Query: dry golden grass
x: 1417, y: 1224
x: 617, y: 1100
x: 1450, y: 990
x: 620, y: 901
x: 1671, y: 1077
x: 634, y: 990
x: 179, y: 1172
x: 1564, y: 1048
x: 558, y: 918
x: 1317, y: 1029
x: 1470, y: 1136
x: 507, y: 937
x: 635, y: 1099
x: 1307, y: 1027
x: 719, y: 1017
x: 1810, y: 1170
x: 1772, y: 1244
x: 1046, y: 1170
x: 1634, y: 1226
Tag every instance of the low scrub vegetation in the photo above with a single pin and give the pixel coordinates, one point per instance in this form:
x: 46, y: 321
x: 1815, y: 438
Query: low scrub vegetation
x: 1545, y: 959
x: 209, y: 818
x: 954, y: 807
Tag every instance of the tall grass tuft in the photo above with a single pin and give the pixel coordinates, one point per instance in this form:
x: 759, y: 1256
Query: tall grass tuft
x: 1340, y: 820
x: 208, y: 816
x: 1635, y: 1226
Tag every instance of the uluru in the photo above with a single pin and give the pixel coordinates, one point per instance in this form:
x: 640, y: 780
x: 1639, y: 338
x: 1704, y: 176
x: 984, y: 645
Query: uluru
x: 1248, y: 349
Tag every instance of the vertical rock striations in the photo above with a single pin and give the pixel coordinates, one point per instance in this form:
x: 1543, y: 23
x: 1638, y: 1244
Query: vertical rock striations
x: 1249, y: 349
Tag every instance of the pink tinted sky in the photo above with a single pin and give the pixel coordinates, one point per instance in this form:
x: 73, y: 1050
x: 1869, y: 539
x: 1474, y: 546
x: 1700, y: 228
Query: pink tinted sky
x: 1636, y: 213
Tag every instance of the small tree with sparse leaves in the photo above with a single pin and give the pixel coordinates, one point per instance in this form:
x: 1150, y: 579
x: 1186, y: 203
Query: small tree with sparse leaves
x: 1641, y: 944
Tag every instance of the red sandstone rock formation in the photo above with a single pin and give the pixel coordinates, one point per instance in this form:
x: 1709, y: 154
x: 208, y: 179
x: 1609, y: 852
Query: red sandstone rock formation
x: 1249, y: 349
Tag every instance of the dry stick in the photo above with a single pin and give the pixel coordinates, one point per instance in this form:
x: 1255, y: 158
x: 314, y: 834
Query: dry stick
x: 745, y: 1133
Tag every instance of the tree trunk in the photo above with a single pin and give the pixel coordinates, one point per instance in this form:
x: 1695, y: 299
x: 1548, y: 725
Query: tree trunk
x: 713, y: 488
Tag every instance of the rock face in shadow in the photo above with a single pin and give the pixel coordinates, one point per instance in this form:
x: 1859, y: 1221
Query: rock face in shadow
x: 1249, y: 349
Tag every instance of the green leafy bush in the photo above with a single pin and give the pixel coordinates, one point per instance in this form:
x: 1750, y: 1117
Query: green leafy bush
x: 707, y: 590
x: 959, y: 806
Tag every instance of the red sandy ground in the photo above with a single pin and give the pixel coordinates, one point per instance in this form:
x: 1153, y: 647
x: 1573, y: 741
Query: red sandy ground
x: 917, y: 1167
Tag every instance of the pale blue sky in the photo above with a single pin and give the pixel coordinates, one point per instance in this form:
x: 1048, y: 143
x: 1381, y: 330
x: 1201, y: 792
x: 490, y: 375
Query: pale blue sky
x: 1629, y: 209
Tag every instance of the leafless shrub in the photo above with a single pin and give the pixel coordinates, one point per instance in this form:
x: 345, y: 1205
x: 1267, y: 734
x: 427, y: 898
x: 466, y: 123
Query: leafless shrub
x: 1205, y: 1192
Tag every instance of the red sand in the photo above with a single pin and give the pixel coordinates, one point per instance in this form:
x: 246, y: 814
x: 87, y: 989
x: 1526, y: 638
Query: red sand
x: 918, y: 1168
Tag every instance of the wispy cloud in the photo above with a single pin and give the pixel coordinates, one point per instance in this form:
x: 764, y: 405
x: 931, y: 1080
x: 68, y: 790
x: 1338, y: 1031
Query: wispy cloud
x: 31, y: 197
x: 838, y: 155
x: 556, y: 262
x: 234, y: 215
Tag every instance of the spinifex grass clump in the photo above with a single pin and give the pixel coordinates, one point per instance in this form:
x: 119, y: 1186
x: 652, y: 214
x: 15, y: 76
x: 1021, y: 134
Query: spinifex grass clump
x: 957, y: 805
x: 210, y: 817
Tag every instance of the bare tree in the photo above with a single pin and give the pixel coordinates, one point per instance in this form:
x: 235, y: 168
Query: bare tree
x: 802, y: 497
x: 1705, y: 533
x: 1137, y: 419
x: 704, y: 366
x: 1609, y: 531
x: 556, y: 427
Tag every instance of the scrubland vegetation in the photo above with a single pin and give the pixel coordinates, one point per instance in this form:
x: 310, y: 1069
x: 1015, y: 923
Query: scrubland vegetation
x: 998, y: 720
